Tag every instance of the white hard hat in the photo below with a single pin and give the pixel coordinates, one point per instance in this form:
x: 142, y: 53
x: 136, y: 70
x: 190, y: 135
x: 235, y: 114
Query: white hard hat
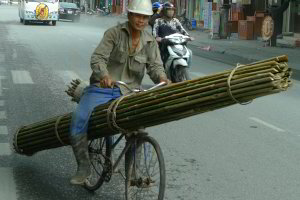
x: 143, y: 7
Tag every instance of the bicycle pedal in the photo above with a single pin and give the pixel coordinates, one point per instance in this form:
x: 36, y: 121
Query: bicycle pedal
x: 107, y: 177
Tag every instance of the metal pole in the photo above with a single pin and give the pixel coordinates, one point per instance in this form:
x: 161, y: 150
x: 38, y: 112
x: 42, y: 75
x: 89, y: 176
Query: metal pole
x: 224, y: 21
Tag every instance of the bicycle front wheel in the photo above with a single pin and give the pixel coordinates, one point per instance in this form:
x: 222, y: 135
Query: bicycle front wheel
x: 146, y: 175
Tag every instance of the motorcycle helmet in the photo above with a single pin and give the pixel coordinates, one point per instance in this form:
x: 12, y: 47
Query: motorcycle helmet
x: 167, y: 6
x: 155, y: 6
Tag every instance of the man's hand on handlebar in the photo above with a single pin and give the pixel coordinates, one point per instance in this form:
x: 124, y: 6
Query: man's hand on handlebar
x: 165, y: 79
x: 106, y: 82
x: 158, y: 39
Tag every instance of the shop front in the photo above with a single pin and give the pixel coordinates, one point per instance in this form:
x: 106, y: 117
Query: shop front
x: 296, y: 15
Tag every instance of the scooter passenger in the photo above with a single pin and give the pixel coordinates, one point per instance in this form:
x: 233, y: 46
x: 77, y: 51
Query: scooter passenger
x: 156, y: 8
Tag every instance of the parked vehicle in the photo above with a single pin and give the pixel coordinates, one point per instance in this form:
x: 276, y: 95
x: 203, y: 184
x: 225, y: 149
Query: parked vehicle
x: 5, y: 2
x: 69, y: 11
x: 176, y: 64
x: 38, y: 11
x: 91, y: 12
x: 103, y: 12
x: 14, y: 2
x: 185, y: 21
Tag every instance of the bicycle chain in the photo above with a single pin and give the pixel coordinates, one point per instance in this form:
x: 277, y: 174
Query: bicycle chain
x: 107, y: 170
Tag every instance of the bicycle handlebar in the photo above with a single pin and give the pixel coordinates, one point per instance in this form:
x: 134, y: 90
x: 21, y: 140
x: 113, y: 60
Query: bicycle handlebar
x: 139, y: 90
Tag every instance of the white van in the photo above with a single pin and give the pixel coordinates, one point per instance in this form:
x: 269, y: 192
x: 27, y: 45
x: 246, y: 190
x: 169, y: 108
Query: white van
x: 38, y: 10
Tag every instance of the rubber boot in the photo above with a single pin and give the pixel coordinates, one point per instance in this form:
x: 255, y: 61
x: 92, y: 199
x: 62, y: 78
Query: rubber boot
x: 80, y: 148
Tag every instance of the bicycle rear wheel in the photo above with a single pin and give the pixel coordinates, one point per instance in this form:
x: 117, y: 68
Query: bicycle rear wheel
x: 100, y: 157
x: 146, y: 176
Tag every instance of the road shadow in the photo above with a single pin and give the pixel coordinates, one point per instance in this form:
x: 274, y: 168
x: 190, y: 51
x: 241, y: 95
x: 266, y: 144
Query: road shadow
x: 37, y: 179
x: 15, y: 22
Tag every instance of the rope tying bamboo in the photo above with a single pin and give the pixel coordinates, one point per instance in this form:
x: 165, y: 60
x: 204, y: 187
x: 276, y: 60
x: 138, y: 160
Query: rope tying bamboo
x: 229, y: 85
x: 111, y: 116
x: 56, y: 131
x: 16, y: 141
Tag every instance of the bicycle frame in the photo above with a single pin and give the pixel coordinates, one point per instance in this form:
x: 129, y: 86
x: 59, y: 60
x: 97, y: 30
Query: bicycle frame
x: 129, y: 142
x: 137, y: 151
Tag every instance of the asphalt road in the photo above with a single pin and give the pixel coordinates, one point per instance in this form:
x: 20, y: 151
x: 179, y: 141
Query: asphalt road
x: 236, y: 153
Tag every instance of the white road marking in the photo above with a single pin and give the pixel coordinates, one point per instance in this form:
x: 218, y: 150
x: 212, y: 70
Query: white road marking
x: 2, y: 102
x: 267, y: 124
x: 14, y: 55
x: 3, y: 130
x: 5, y: 149
x: 7, y: 184
x: 197, y: 74
x: 68, y: 76
x: 2, y: 115
x: 1, y: 78
x: 2, y: 69
x: 2, y: 58
x: 0, y: 88
x: 21, y: 77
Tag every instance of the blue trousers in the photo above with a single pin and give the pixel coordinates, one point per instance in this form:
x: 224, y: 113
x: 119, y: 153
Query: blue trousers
x: 92, y: 97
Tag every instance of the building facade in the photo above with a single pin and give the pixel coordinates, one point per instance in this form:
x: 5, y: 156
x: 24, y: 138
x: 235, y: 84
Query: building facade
x: 201, y: 10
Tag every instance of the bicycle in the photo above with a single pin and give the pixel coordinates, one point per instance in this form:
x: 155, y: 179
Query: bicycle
x: 185, y: 21
x: 139, y: 151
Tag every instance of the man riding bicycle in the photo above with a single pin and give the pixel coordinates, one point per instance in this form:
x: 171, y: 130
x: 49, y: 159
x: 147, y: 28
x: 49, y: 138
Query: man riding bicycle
x: 124, y: 53
x: 168, y: 25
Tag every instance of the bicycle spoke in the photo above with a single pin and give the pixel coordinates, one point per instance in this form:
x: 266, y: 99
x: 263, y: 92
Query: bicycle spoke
x: 155, y: 174
x: 148, y: 167
x: 95, y: 168
x: 144, y: 195
x: 147, y: 170
x: 139, y: 169
x: 102, y: 144
x: 154, y: 166
x: 135, y: 194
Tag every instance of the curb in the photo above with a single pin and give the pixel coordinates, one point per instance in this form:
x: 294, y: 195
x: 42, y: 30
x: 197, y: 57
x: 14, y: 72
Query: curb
x: 219, y: 56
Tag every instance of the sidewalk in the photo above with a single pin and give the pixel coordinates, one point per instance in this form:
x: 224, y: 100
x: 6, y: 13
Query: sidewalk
x: 251, y: 50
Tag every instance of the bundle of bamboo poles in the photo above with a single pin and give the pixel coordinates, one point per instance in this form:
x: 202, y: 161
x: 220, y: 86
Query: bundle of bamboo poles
x: 173, y: 102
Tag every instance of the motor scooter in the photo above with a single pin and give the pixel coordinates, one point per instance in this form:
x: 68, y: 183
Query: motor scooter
x: 177, y: 62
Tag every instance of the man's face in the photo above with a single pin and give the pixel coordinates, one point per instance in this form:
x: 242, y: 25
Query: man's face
x: 170, y: 13
x: 138, y: 21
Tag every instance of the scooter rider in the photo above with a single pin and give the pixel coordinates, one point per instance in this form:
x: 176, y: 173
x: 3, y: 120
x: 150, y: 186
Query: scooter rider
x: 168, y: 25
x: 125, y: 52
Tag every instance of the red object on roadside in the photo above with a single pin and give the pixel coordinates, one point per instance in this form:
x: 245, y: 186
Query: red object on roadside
x: 246, y: 29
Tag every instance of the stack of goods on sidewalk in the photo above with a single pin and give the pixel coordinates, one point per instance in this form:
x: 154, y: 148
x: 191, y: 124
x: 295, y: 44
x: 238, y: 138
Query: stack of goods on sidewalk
x: 173, y: 102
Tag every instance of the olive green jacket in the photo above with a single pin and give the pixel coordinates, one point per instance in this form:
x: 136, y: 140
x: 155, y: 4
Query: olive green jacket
x: 112, y: 57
